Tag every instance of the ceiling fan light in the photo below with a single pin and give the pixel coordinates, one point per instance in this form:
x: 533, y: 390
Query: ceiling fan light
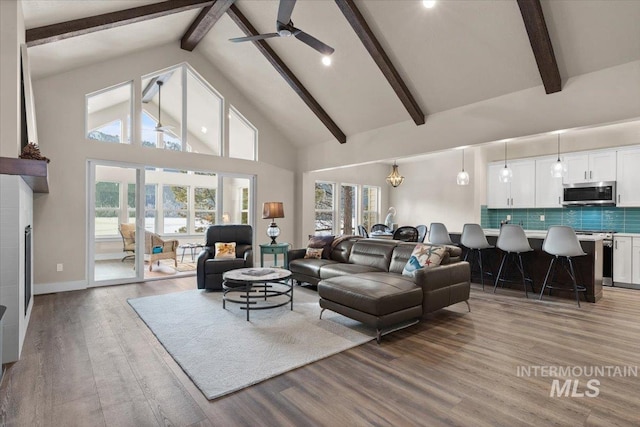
x: 394, y: 178
x: 326, y: 60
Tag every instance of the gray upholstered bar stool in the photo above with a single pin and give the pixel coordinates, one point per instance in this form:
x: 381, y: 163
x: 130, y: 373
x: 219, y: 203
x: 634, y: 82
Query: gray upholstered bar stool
x: 475, y: 241
x: 513, y: 242
x: 438, y: 234
x: 562, y: 243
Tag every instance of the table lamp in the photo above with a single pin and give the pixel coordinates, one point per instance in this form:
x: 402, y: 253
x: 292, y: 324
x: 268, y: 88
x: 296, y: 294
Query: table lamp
x: 271, y: 210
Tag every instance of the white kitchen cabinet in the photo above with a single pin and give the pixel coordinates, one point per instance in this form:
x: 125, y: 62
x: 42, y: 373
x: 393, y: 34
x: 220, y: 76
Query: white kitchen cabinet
x: 548, y: 188
x: 622, y: 254
x: 628, y: 178
x: 635, y: 261
x: 594, y: 166
x: 519, y: 193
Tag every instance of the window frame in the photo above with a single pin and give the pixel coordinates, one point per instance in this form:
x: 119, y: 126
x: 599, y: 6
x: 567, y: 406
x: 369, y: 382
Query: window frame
x: 243, y: 119
x: 337, y: 208
x: 126, y: 134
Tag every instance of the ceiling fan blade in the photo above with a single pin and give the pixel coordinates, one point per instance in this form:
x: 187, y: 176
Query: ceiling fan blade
x: 313, y: 42
x: 284, y: 11
x: 254, y: 38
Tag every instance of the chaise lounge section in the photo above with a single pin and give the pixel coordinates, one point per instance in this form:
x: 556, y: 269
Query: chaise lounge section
x: 362, y: 279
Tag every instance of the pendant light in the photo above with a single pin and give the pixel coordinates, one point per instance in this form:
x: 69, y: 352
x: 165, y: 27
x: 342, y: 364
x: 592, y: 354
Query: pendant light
x: 463, y: 176
x: 559, y: 168
x: 394, y: 178
x: 505, y: 174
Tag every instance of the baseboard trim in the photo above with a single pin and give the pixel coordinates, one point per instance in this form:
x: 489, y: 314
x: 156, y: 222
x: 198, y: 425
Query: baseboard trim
x: 51, y: 288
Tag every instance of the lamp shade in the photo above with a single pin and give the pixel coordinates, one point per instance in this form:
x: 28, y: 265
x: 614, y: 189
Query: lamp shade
x: 272, y: 210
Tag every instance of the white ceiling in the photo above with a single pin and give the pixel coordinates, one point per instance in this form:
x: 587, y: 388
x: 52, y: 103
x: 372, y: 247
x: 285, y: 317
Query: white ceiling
x: 457, y: 53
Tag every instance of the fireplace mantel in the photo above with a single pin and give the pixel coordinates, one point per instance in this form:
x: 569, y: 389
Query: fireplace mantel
x: 34, y: 172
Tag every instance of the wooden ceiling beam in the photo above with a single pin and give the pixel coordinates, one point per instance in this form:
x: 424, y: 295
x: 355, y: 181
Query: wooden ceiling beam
x: 78, y: 27
x: 286, y: 73
x: 371, y: 43
x: 204, y: 23
x: 531, y: 11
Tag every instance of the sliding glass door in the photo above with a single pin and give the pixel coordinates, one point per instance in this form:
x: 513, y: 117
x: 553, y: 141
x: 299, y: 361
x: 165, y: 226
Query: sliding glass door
x: 115, y: 201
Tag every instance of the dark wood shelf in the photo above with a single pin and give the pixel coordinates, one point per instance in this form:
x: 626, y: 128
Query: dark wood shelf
x: 34, y: 172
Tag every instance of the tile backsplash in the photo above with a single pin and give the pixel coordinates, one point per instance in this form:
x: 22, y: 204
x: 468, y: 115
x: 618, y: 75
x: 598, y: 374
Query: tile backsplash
x: 622, y: 220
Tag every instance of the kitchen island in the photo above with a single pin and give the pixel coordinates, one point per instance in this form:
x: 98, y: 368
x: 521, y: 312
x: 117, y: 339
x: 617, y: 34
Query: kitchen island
x: 588, y: 268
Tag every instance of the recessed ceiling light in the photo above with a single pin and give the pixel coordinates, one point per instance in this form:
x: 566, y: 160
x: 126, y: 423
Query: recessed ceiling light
x: 326, y: 60
x: 203, y: 129
x: 428, y: 3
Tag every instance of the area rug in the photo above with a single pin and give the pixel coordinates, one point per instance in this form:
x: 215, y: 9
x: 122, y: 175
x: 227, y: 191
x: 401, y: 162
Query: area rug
x: 221, y: 352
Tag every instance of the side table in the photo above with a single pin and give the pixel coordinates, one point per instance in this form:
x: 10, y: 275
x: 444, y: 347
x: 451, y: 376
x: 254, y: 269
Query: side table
x: 278, y: 248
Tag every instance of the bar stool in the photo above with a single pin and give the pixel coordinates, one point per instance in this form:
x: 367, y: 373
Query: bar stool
x: 438, y: 234
x: 514, y: 243
x: 561, y: 242
x: 422, y: 232
x: 475, y: 241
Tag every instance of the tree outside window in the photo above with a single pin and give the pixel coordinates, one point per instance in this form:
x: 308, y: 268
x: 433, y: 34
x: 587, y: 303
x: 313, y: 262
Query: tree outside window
x: 204, y: 208
x: 175, y: 200
x: 107, y: 208
x: 348, y: 208
x: 324, y: 207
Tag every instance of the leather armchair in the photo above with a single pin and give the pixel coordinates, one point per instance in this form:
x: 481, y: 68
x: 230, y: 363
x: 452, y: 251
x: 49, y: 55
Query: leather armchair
x: 209, y: 270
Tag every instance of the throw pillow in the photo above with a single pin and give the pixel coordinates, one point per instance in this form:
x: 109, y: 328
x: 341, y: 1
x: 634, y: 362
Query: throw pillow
x: 313, y: 253
x: 225, y: 250
x: 423, y: 256
x: 323, y: 242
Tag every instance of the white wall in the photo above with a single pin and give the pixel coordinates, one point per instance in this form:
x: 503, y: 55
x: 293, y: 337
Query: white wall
x: 430, y: 193
x: 61, y: 215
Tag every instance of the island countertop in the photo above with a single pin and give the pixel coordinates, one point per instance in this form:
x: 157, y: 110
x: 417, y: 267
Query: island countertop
x: 589, y: 267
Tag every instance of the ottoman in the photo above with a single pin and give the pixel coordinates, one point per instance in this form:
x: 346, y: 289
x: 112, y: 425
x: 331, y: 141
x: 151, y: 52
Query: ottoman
x: 385, y: 301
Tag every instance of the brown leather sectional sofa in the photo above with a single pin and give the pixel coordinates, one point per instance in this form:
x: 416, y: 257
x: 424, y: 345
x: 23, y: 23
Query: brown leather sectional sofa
x: 362, y: 279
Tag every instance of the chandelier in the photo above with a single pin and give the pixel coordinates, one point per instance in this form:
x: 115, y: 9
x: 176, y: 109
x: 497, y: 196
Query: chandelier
x: 394, y: 177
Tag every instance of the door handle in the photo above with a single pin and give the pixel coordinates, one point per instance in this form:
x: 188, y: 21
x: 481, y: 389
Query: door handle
x: 618, y: 198
x: 512, y: 201
x: 507, y: 201
x: 585, y: 175
x: 616, y: 244
x: 559, y: 200
x: 590, y: 174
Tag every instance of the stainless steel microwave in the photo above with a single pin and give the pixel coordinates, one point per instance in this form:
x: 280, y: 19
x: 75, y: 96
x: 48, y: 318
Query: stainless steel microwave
x: 589, y: 194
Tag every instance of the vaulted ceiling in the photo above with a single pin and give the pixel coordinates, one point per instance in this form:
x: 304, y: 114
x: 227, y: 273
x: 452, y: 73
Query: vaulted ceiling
x: 456, y: 53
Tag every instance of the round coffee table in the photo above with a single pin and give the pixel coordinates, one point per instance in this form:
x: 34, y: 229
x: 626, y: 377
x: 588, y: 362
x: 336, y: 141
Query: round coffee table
x: 257, y: 286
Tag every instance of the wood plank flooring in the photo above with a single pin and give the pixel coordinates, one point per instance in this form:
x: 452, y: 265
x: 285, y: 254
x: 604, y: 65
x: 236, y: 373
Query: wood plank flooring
x: 89, y: 360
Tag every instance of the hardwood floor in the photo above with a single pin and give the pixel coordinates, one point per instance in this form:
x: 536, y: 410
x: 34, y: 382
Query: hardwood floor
x: 89, y: 360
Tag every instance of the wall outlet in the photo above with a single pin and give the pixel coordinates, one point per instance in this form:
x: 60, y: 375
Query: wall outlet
x: 541, y: 217
x: 508, y: 217
x: 59, y: 267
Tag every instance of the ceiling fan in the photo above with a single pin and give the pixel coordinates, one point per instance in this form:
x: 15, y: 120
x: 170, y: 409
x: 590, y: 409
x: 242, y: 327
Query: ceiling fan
x: 159, y: 127
x: 285, y: 28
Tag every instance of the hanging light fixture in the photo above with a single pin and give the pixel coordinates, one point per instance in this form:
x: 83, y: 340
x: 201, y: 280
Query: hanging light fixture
x: 159, y: 127
x: 505, y: 174
x: 463, y: 176
x: 559, y: 168
x: 394, y: 177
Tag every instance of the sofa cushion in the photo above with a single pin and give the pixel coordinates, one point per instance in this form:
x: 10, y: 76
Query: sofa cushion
x: 372, y: 253
x: 341, y: 248
x: 321, y: 242
x: 377, y: 294
x: 309, y: 267
x: 313, y: 253
x: 423, y: 256
x: 333, y: 270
